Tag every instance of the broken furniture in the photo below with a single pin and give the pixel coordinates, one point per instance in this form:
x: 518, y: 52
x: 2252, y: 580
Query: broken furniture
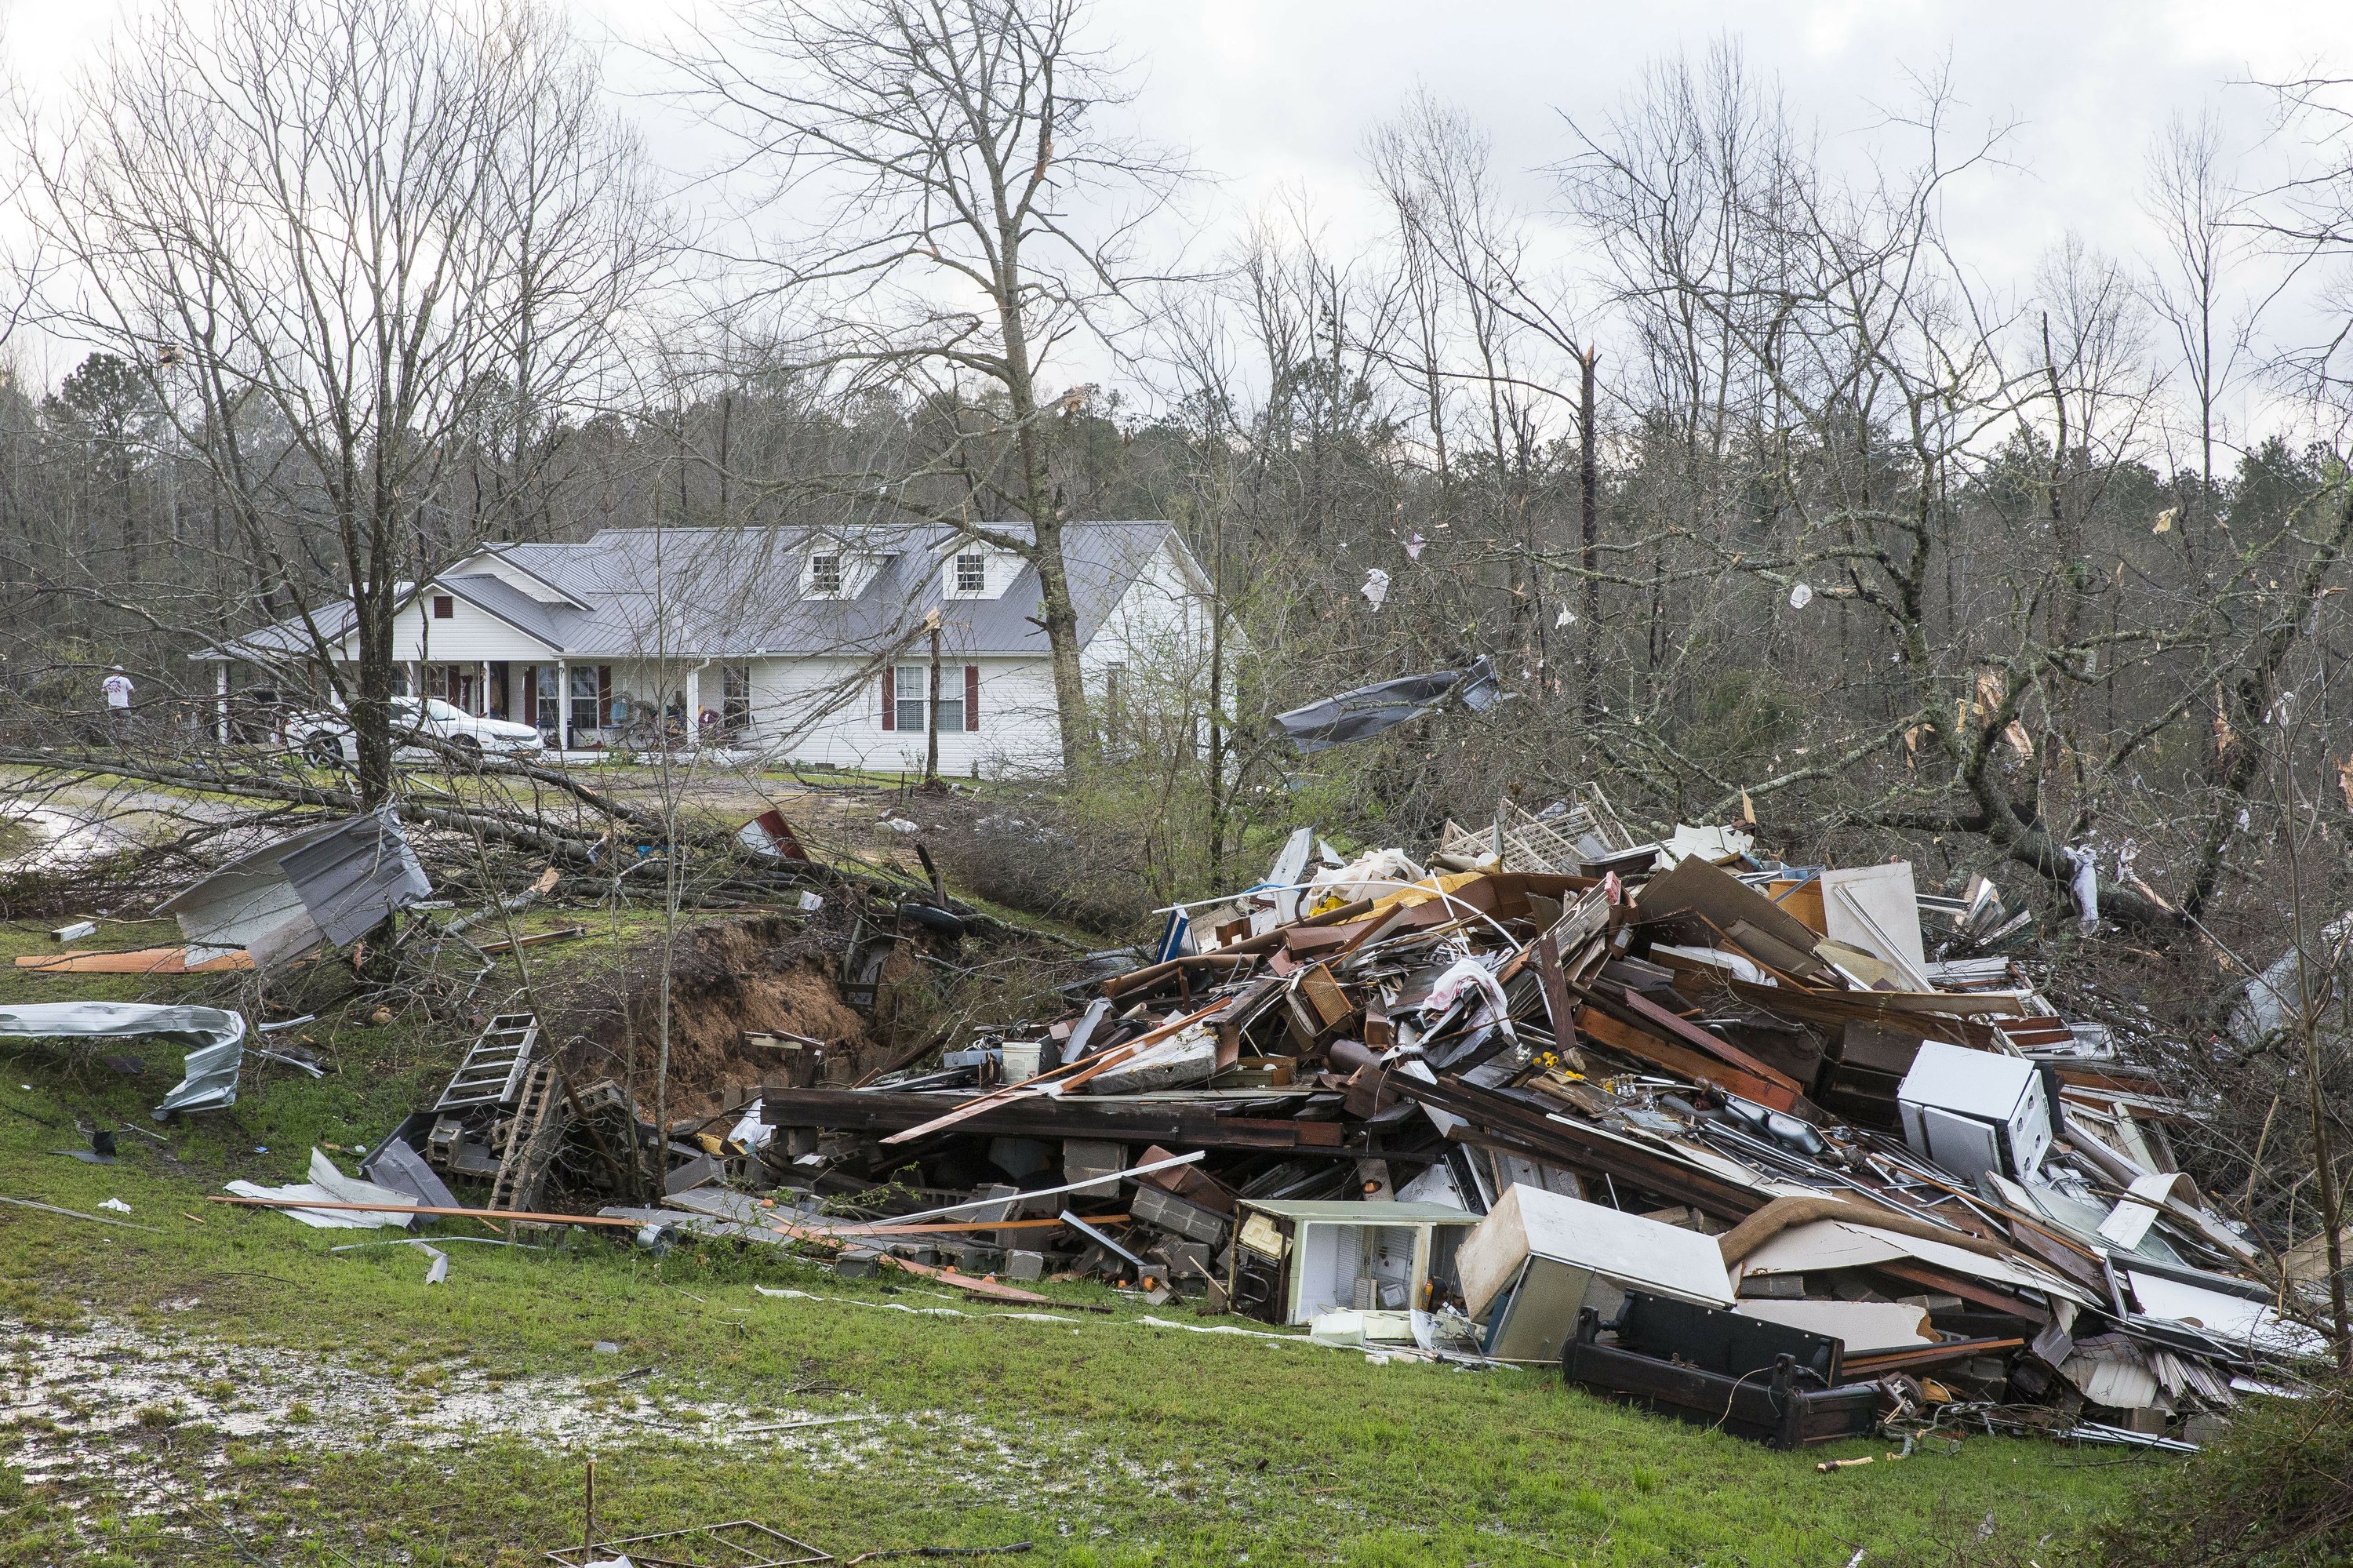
x: 1974, y: 1112
x: 1292, y: 1263
x: 1757, y: 1380
x: 1539, y: 1258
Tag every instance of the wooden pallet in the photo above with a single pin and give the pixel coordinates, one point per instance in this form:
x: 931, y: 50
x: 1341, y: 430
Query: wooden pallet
x: 529, y: 1140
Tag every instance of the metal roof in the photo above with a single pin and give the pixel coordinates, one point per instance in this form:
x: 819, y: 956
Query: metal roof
x: 720, y: 593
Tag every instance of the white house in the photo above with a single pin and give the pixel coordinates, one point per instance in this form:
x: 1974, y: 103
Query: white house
x: 809, y: 645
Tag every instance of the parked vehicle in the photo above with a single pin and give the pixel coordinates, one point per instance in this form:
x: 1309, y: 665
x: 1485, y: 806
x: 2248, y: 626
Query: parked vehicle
x: 326, y: 740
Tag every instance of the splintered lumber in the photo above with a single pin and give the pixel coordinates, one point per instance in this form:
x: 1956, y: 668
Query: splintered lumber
x: 132, y: 961
x: 535, y: 939
x: 1644, y: 1047
x: 1174, y: 1124
x: 987, y: 1289
x: 1070, y: 1075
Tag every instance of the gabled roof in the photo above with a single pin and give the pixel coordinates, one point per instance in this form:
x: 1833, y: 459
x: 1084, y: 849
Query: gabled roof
x: 723, y: 593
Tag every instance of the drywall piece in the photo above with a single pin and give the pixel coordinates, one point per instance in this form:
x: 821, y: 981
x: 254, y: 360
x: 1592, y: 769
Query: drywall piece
x: 2135, y: 1213
x: 1861, y: 1326
x: 1699, y: 888
x: 1538, y: 1258
x: 2237, y: 1318
x: 1188, y: 1056
x: 1824, y: 1245
x: 1876, y: 908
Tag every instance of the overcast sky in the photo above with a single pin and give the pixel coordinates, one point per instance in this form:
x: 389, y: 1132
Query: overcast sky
x: 1271, y: 94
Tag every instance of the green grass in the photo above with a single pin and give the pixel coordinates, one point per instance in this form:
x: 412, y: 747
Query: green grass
x: 1102, y: 1440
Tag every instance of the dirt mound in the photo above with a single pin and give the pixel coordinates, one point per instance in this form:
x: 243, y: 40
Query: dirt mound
x: 730, y: 976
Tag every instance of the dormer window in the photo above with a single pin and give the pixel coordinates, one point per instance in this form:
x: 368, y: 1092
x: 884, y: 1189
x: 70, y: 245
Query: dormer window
x: 825, y: 577
x: 971, y: 574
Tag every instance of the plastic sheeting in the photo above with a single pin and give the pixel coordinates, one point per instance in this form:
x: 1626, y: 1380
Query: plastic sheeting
x: 214, y: 1037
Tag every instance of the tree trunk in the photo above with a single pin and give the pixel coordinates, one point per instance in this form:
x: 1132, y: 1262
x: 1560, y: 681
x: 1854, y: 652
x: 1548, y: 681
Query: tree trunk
x: 1056, y: 613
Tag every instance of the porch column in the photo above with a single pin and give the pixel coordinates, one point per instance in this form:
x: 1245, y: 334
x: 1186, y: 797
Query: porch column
x: 693, y: 705
x: 562, y: 705
x: 220, y: 703
x: 482, y: 693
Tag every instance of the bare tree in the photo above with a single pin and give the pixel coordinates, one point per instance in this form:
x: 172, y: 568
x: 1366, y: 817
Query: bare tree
x: 968, y: 213
x: 2204, y: 235
x: 340, y: 239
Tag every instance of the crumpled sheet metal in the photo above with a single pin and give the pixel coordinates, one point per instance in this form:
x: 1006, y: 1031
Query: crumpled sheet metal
x: 1369, y: 710
x: 329, y: 1185
x: 214, y: 1037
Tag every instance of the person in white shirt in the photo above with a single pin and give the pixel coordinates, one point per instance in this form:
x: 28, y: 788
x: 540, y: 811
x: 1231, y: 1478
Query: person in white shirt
x: 117, y: 687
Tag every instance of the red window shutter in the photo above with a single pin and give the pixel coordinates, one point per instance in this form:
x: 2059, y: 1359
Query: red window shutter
x: 531, y: 694
x: 972, y: 697
x: 603, y: 694
x: 889, y: 697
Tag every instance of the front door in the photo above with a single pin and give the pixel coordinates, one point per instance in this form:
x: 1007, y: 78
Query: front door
x: 547, y: 708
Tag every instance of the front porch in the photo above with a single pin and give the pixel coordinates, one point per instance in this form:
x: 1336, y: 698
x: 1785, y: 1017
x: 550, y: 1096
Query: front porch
x: 591, y: 708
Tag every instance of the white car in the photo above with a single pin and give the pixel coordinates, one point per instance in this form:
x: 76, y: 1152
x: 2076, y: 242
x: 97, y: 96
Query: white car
x: 325, y: 739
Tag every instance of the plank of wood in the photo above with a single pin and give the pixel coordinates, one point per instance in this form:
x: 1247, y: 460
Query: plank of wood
x: 1602, y: 1029
x: 1879, y: 1361
x: 1112, y: 1119
x: 132, y: 961
x: 925, y: 1230
x: 989, y: 1290
x: 1068, y: 1076
x: 561, y: 934
x: 1698, y: 1038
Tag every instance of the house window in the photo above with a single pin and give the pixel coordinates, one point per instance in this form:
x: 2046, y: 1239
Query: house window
x: 951, y: 697
x: 735, y: 698
x: 825, y: 577
x: 971, y: 574
x: 443, y: 606
x: 911, y: 690
x: 585, y: 689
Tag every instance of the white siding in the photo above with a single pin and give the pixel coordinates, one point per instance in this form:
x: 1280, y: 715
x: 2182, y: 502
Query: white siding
x: 490, y: 564
x: 469, y: 634
x: 831, y: 711
x: 1162, y: 618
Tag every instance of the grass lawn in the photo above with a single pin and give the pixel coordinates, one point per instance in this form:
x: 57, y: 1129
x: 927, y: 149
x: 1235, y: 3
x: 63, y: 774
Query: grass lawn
x: 225, y: 1390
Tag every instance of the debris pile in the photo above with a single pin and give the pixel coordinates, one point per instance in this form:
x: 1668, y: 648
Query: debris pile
x: 1778, y: 1147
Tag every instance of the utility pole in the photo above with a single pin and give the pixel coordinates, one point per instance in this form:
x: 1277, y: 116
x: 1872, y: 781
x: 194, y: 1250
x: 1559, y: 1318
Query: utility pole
x: 932, y: 723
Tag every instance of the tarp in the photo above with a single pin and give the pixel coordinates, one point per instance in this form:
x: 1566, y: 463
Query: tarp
x: 1368, y: 710
x: 214, y: 1037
